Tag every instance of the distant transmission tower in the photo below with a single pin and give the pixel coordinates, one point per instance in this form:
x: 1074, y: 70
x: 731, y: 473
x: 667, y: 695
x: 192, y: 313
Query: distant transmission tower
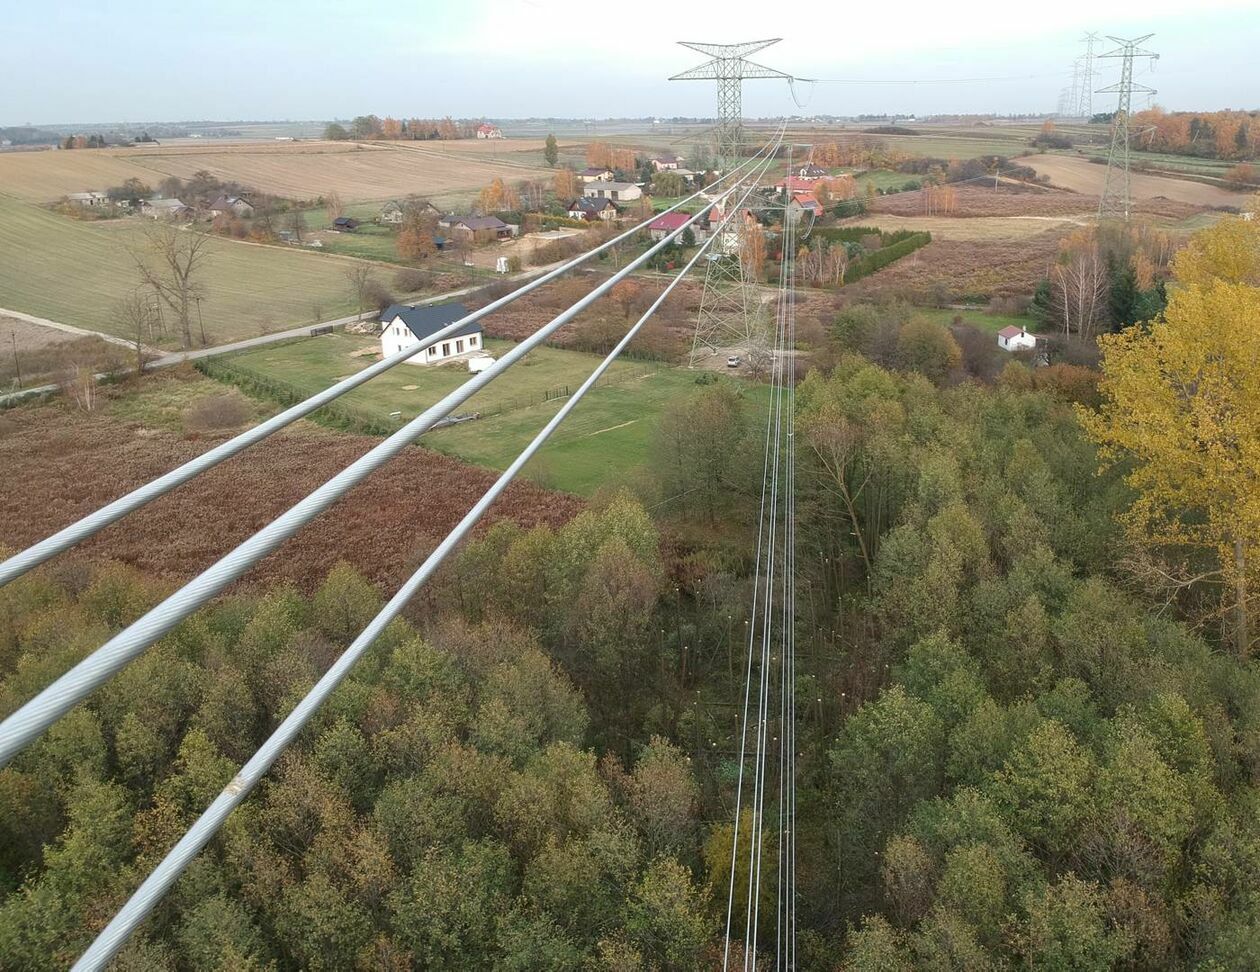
x: 1116, y: 199
x: 1084, y: 107
x: 730, y: 306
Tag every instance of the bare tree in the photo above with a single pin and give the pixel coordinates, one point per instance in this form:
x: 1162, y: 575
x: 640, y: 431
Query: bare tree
x: 1080, y: 291
x: 333, y: 206
x: 134, y: 316
x: 170, y: 264
x: 359, y: 277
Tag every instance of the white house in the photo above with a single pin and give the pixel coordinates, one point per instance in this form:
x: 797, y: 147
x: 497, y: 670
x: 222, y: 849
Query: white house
x: 486, y: 130
x: 1013, y: 338
x: 616, y: 191
x: 665, y: 162
x: 593, y: 173
x: 591, y: 209
x: 405, y: 326
x: 231, y: 204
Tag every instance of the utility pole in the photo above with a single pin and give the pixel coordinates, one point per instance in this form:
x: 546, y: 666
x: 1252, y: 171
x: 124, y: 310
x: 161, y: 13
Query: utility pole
x: 17, y: 365
x: 204, y: 342
x: 730, y: 305
x: 1116, y: 198
x: 1085, y: 91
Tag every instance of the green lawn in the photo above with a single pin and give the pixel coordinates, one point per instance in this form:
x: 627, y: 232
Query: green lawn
x: 883, y: 179
x: 976, y: 318
x: 608, y: 435
x: 70, y: 271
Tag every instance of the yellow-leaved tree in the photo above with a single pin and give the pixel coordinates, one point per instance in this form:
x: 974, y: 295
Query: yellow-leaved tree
x: 1181, y: 405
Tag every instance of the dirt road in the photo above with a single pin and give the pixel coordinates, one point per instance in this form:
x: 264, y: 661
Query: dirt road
x: 1087, y: 177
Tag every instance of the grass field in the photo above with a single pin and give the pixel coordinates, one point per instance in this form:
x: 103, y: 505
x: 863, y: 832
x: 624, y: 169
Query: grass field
x: 55, y: 267
x: 608, y: 435
x: 976, y: 318
x: 883, y: 179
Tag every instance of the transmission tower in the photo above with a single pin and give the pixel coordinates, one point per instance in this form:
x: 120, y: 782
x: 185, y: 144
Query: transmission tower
x: 1084, y: 106
x: 730, y: 307
x: 1116, y: 199
x: 729, y: 67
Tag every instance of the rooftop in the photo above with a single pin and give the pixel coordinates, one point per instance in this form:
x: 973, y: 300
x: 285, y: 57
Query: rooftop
x: 426, y: 321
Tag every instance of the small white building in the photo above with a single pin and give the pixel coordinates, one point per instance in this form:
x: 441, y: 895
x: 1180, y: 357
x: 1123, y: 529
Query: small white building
x: 616, y: 191
x: 593, y: 173
x: 1013, y: 338
x: 486, y: 130
x: 405, y: 326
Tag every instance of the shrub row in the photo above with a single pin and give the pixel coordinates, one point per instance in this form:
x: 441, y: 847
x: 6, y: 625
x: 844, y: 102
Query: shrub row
x: 335, y: 415
x: 866, y: 265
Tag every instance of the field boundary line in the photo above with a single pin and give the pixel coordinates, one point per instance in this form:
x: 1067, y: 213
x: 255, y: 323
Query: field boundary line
x: 81, y: 331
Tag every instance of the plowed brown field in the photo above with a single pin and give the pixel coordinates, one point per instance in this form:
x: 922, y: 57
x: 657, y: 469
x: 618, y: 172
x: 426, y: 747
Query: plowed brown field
x: 57, y: 465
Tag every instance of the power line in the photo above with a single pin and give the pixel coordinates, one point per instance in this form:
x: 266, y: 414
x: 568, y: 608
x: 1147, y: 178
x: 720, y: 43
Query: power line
x: 24, y: 725
x: 1116, y: 199
x: 159, y: 881
x: 80, y: 530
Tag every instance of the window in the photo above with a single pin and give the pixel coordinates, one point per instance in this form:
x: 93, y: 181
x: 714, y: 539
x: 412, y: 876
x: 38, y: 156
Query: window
x: 459, y: 346
x: 446, y: 348
x: 432, y: 352
x: 472, y: 341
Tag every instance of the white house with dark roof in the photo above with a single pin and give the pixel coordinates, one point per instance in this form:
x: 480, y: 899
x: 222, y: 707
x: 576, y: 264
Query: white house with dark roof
x: 592, y: 209
x: 406, y: 325
x: 593, y: 173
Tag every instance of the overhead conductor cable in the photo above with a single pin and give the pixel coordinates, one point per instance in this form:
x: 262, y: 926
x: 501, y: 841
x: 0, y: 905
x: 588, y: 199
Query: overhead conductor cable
x: 159, y: 881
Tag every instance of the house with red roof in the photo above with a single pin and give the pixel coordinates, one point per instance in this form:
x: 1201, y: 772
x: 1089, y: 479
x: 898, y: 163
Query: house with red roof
x: 667, y: 223
x: 795, y: 183
x: 1012, y: 338
x: 486, y: 130
x: 803, y: 202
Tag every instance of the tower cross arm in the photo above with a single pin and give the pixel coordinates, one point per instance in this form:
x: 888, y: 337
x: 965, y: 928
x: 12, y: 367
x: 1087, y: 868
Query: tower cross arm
x: 721, y: 68
x: 731, y: 50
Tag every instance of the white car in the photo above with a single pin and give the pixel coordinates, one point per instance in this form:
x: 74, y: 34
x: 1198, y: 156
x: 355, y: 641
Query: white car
x: 733, y: 361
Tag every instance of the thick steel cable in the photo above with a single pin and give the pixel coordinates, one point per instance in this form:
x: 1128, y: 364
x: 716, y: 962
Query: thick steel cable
x: 743, y: 739
x: 24, y: 725
x: 752, y: 915
x: 80, y: 530
x: 159, y: 881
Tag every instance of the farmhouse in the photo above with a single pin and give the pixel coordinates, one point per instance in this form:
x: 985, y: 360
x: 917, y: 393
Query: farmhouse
x: 394, y: 211
x: 163, y: 208
x: 594, y: 173
x: 478, y: 229
x: 486, y: 130
x: 405, y: 326
x: 665, y: 162
x: 588, y: 209
x: 803, y: 202
x: 811, y: 171
x: 621, y: 191
x: 231, y: 204
x: 666, y: 223
x: 1013, y: 338
x: 794, y: 183
x: 88, y: 200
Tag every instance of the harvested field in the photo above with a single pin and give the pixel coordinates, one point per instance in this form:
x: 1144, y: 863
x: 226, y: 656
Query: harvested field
x: 383, y: 527
x: 950, y: 270
x: 1087, y: 177
x: 299, y: 170
x: 983, y: 201
x: 37, y: 353
x: 73, y: 272
x: 975, y: 228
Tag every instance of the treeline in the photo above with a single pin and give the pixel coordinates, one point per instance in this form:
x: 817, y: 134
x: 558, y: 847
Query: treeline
x: 365, y: 127
x: 1226, y: 135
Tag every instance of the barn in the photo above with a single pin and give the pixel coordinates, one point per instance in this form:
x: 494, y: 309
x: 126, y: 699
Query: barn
x: 406, y: 325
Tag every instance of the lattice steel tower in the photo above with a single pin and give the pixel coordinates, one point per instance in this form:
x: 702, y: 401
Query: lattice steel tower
x: 1084, y: 106
x: 1116, y: 199
x: 730, y: 306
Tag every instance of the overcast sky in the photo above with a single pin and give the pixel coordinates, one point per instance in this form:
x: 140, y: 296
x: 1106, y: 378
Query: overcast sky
x: 134, y: 60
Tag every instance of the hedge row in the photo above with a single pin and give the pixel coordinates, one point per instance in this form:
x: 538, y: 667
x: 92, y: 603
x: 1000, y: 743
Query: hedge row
x: 866, y: 265
x: 855, y: 234
x: 335, y: 414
